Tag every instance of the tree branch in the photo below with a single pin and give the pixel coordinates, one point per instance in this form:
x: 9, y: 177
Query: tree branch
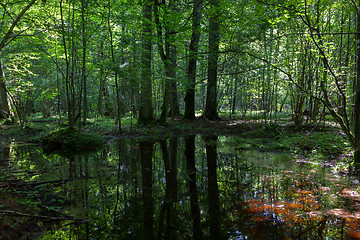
x: 14, y: 24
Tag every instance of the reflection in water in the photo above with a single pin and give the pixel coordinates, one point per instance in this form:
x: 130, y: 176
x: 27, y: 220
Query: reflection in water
x: 168, y: 209
x: 191, y: 188
x: 146, y: 150
x: 193, y: 191
x: 214, y: 208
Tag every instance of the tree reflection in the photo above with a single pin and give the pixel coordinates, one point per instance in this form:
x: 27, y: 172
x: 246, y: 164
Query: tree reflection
x: 168, y: 208
x: 146, y: 149
x: 193, y: 191
x: 213, y: 191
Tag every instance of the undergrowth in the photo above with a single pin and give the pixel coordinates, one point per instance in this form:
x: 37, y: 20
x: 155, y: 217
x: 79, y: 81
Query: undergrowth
x: 323, y: 141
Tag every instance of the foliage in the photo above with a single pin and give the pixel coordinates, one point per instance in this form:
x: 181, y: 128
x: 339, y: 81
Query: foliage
x: 275, y: 57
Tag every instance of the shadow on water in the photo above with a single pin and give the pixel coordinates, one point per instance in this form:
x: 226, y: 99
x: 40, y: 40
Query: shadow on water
x: 192, y: 187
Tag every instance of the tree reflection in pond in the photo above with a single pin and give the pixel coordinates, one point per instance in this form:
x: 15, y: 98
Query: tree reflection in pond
x: 213, y: 191
x: 146, y: 150
x: 193, y: 188
x: 167, y: 216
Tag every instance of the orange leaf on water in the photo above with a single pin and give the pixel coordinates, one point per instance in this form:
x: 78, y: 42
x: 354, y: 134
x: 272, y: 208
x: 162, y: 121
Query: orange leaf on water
x: 298, y: 220
x: 294, y: 205
x: 353, y: 234
x: 257, y: 219
x: 258, y: 209
x: 354, y: 225
x: 304, y: 192
x: 253, y: 202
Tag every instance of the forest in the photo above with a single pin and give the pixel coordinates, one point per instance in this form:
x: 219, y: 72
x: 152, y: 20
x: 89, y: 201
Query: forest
x: 275, y: 76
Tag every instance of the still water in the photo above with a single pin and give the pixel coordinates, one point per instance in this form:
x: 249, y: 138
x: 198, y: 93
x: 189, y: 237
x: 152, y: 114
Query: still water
x: 191, y: 187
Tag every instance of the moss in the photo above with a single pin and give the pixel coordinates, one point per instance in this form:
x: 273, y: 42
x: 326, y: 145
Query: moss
x: 71, y: 139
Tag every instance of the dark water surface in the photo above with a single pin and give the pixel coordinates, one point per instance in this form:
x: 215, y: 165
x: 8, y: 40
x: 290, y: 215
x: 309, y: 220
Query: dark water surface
x: 192, y: 187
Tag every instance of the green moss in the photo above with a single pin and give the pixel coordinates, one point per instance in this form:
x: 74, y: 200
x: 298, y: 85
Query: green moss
x: 71, y: 139
x: 272, y: 130
x: 309, y: 140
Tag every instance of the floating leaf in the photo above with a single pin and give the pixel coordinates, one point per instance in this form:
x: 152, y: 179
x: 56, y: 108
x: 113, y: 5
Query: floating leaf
x: 294, y: 205
x: 305, y: 192
x: 354, y: 234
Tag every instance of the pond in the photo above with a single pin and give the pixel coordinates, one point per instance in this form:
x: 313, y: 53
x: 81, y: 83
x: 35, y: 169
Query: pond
x: 191, y: 187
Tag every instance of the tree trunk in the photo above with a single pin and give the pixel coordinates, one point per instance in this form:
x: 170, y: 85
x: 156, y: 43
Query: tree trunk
x: 118, y: 115
x: 191, y: 71
x: 234, y: 95
x: 8, y: 36
x: 69, y: 76
x: 84, y: 45
x: 103, y: 93
x: 167, y: 52
x: 214, y: 39
x: 101, y: 81
x: 4, y: 104
x: 357, y: 96
x: 174, y: 102
x: 146, y: 108
x: 166, y: 98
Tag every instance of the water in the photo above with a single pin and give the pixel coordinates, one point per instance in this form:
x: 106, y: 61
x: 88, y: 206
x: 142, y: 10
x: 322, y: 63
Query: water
x: 190, y: 187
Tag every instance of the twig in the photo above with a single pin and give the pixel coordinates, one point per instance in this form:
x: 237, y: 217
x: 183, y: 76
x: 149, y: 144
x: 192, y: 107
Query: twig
x: 321, y: 116
x: 46, y: 182
x: 34, y: 215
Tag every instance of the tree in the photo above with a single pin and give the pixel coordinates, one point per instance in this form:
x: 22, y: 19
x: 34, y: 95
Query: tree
x: 357, y: 94
x: 115, y: 72
x: 192, y: 62
x: 167, y: 52
x: 103, y: 94
x: 211, y: 107
x: 84, y: 40
x: 69, y: 48
x: 8, y: 37
x: 4, y: 105
x: 146, y: 108
x: 315, y: 23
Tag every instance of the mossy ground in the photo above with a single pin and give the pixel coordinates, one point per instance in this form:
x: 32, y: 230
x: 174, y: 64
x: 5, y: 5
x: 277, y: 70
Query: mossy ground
x: 282, y: 135
x: 72, y: 140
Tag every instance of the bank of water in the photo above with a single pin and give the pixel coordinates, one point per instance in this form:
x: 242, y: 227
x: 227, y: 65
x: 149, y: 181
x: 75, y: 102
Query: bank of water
x: 191, y: 187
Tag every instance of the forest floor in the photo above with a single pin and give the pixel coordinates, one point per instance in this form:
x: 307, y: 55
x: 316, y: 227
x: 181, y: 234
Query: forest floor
x: 23, y: 206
